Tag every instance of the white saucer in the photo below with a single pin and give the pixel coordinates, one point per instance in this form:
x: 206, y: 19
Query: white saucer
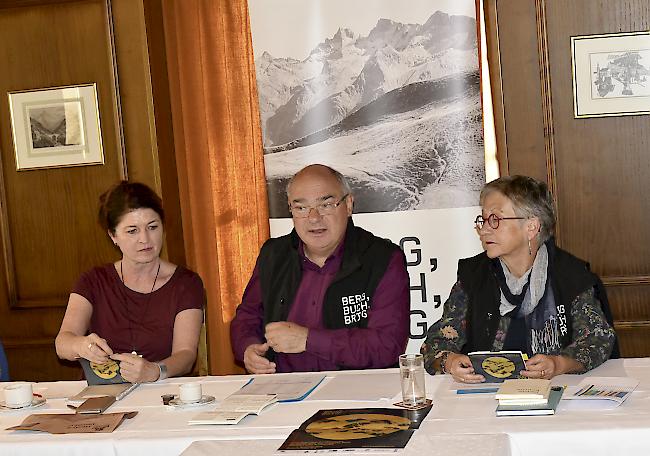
x: 36, y: 402
x: 205, y: 400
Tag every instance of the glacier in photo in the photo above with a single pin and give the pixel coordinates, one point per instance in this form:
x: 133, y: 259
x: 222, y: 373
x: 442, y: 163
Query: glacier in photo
x: 397, y: 111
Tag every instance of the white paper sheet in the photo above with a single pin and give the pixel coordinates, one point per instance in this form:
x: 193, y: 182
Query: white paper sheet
x: 358, y: 387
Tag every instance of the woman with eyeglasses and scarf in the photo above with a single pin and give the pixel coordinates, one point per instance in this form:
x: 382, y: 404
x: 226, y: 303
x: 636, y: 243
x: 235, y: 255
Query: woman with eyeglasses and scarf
x: 522, y: 293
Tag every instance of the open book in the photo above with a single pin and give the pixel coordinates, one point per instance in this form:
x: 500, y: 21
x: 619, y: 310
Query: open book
x: 498, y: 366
x: 234, y: 408
x: 103, y: 380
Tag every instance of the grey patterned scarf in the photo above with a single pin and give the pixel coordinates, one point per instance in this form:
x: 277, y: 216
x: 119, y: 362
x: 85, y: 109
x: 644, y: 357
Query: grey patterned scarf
x: 537, y: 306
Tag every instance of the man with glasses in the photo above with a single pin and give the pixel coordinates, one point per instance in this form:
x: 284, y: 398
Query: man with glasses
x: 327, y: 296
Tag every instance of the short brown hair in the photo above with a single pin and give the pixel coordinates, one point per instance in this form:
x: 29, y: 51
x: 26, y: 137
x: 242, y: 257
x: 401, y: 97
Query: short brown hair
x: 530, y: 198
x: 124, y: 197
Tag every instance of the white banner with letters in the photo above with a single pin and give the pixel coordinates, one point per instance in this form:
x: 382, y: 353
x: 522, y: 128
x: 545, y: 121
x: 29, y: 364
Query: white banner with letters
x: 388, y: 95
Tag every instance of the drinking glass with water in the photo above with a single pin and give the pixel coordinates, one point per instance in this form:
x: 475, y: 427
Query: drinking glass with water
x: 411, y: 368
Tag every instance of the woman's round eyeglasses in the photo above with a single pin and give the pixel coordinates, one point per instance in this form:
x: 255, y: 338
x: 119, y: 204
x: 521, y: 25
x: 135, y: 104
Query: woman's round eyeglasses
x: 493, y: 221
x: 326, y: 208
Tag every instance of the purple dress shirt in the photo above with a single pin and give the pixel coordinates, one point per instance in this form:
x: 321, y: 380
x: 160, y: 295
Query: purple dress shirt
x: 376, y: 346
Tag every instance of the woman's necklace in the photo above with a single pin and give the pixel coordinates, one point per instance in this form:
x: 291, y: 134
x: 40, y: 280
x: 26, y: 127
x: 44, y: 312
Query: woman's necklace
x: 128, y: 307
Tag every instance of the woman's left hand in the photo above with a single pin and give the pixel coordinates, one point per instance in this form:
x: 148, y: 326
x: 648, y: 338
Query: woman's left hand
x: 541, y: 366
x: 136, y: 369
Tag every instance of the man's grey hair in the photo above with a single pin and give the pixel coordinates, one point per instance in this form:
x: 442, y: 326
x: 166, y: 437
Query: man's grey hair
x: 342, y: 180
x: 530, y: 198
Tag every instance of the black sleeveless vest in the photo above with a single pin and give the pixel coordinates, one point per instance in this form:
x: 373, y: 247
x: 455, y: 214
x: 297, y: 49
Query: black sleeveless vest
x: 348, y: 298
x: 570, y: 276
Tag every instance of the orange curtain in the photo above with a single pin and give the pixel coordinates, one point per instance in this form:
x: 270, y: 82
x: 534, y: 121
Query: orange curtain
x: 219, y: 155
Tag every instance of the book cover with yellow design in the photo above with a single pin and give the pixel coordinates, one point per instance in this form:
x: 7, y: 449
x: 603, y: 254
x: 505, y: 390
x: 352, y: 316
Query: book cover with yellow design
x: 355, y: 429
x: 498, y: 366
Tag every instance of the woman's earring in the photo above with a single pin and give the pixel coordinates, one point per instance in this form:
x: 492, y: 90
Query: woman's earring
x: 530, y: 251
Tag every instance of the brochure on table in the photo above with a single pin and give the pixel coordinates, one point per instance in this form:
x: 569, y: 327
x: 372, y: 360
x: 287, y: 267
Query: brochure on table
x: 360, y: 429
x: 600, y: 392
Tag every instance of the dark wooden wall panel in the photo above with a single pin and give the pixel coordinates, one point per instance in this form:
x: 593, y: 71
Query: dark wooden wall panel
x: 630, y: 301
x: 602, y: 167
x: 634, y: 339
x: 518, y: 67
x: 50, y: 230
x: 598, y: 168
x: 49, y: 43
x: 49, y: 216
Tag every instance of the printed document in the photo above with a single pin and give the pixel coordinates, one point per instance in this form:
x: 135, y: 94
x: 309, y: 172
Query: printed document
x: 287, y: 388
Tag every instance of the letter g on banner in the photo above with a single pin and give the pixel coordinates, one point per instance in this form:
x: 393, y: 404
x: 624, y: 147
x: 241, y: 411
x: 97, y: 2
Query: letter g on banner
x: 416, y: 251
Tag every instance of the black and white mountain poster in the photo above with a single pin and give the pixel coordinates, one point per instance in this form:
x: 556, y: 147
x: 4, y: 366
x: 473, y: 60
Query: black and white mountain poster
x: 388, y: 93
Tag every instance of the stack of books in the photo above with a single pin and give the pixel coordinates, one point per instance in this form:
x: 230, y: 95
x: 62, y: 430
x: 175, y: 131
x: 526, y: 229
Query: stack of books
x: 528, y: 397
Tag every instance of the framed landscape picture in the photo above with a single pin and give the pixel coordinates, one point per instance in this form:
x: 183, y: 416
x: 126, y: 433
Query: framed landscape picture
x: 56, y: 127
x: 611, y: 74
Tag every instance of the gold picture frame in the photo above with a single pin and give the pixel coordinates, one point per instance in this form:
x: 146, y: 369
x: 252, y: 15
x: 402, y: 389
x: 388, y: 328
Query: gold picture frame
x: 611, y: 74
x: 56, y: 127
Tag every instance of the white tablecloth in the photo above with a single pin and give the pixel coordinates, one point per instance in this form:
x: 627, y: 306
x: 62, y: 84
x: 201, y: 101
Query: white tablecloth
x: 455, y: 423
x: 420, y: 445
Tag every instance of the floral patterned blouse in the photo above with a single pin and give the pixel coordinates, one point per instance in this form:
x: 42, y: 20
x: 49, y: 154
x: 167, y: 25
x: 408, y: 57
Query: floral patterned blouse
x: 593, y: 338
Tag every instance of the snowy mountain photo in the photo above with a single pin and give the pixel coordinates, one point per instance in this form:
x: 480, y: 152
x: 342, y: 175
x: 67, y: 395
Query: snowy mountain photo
x: 397, y: 110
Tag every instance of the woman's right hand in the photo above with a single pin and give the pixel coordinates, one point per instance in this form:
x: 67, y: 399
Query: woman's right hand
x: 94, y: 349
x: 460, y: 367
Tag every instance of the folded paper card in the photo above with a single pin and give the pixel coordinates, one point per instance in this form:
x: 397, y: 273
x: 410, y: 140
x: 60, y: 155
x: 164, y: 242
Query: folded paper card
x: 73, y: 423
x: 95, y: 404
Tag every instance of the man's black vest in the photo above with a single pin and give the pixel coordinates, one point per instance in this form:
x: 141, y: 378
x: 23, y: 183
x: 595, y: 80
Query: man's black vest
x: 365, y: 259
x: 570, y: 276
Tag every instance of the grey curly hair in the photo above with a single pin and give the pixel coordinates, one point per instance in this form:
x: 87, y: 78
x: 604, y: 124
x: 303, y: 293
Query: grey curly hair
x: 530, y: 198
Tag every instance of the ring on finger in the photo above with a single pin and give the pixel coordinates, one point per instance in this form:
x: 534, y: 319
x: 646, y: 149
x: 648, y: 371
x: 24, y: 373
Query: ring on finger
x: 90, y: 346
x: 543, y: 372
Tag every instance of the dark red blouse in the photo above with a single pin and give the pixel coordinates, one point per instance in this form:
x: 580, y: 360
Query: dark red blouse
x: 141, y: 322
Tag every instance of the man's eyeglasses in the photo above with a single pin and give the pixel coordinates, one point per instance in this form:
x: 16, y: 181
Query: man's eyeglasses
x: 493, y: 221
x: 326, y: 208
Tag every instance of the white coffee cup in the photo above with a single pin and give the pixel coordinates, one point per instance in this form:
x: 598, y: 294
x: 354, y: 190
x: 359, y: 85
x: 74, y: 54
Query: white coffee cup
x: 18, y: 394
x: 190, y: 392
